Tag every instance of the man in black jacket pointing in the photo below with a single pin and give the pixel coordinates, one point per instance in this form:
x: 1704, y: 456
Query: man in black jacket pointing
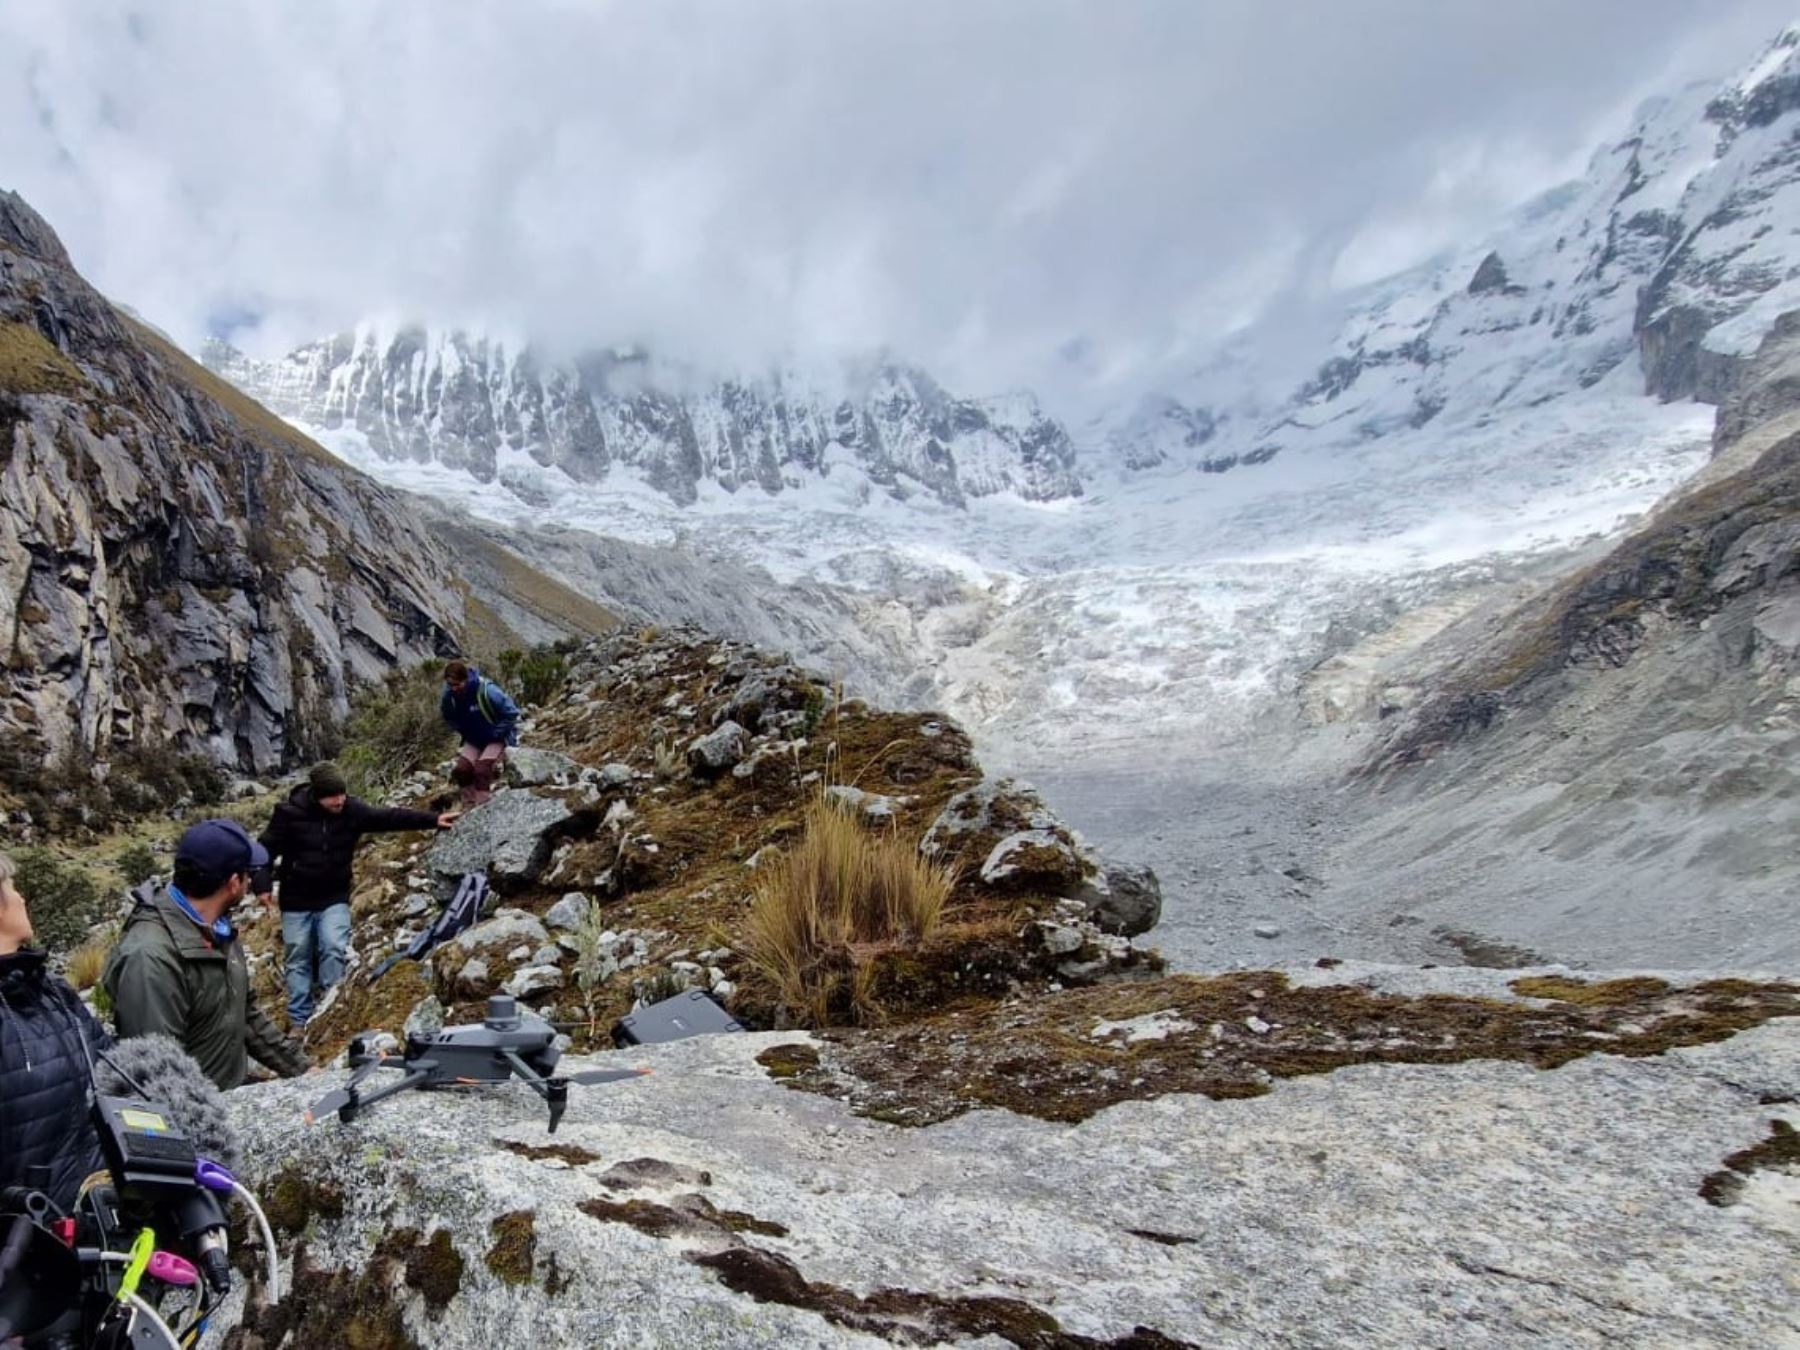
x: 312, y: 840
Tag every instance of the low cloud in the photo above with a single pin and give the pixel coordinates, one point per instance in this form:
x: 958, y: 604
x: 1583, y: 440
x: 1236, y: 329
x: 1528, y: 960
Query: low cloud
x: 1073, y: 195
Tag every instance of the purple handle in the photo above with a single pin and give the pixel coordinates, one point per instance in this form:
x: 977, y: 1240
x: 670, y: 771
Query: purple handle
x: 171, y: 1269
x: 212, y: 1176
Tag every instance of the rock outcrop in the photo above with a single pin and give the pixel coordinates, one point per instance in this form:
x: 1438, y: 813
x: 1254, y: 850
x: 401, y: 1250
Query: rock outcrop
x: 180, y: 566
x: 1450, y: 1193
x: 637, y: 876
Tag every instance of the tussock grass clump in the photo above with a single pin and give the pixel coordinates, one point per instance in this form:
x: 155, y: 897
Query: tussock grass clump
x: 86, y: 962
x: 30, y: 364
x: 839, y: 897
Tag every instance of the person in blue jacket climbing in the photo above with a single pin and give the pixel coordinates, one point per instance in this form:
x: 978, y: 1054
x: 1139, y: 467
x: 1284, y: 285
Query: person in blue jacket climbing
x: 479, y: 711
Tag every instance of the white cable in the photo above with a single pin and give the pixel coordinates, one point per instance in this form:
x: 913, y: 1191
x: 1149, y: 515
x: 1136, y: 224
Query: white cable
x: 156, y: 1321
x: 268, y: 1237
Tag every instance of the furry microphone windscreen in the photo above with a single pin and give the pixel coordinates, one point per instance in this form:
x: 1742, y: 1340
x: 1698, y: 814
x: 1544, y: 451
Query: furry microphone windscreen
x: 170, y: 1078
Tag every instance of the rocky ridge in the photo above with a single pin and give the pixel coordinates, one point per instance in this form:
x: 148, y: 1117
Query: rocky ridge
x: 670, y: 768
x: 501, y: 413
x: 1670, y: 249
x: 710, y: 1204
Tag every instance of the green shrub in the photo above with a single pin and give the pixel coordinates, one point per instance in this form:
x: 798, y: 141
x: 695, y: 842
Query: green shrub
x: 62, y: 897
x: 152, y: 776
x: 541, y: 675
x: 506, y: 666
x: 138, y: 864
x: 395, y: 729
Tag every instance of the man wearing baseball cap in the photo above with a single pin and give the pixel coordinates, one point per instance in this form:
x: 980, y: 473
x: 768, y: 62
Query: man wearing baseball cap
x: 179, y: 969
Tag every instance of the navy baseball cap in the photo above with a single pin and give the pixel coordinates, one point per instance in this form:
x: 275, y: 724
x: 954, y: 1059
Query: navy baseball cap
x: 220, y: 848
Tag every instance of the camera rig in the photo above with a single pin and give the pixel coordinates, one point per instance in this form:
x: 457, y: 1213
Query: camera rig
x: 144, y: 1238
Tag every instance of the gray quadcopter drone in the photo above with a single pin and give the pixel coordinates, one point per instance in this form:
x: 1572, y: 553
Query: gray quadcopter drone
x: 507, y: 1044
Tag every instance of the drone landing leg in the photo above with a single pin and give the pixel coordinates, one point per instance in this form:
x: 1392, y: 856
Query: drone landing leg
x: 554, y: 1091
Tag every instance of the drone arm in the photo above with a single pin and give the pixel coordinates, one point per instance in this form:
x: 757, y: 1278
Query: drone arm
x: 416, y: 1073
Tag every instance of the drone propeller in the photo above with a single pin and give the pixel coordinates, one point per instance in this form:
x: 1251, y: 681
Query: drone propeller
x: 339, y: 1098
x: 604, y: 1075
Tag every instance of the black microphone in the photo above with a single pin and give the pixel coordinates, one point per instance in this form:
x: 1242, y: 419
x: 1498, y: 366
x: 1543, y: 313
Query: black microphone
x: 156, y: 1068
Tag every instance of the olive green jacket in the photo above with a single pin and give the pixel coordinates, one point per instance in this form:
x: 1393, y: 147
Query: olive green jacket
x: 168, y: 974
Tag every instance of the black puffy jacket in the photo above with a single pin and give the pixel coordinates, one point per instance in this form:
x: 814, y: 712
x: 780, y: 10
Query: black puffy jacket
x: 313, y: 848
x: 45, y: 1076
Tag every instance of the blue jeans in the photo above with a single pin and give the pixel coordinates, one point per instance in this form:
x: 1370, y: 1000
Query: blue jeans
x: 320, y: 940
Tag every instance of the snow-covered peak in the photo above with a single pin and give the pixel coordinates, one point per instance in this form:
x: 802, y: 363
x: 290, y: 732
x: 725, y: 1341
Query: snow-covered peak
x: 489, y: 407
x: 1776, y: 62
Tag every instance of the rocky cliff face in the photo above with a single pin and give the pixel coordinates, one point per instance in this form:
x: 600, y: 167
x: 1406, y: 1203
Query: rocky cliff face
x: 177, y: 565
x: 1603, y: 771
x: 472, y: 403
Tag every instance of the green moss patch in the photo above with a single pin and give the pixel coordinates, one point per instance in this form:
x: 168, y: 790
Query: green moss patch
x: 434, y: 1268
x: 573, y: 1154
x: 293, y: 1200
x: 352, y: 1307
x: 1606, y: 994
x: 1780, y: 1150
x: 1066, y: 1056
x: 514, y: 1252
x: 1162, y: 1239
x: 789, y: 1061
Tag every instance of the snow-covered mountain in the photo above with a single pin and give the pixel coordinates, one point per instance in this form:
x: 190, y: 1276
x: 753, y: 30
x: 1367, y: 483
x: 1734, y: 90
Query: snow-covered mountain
x: 475, y: 404
x: 1668, y: 259
x: 1478, y: 418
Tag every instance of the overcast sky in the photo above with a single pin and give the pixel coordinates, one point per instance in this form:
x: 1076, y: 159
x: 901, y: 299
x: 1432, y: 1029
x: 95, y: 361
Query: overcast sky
x: 1003, y: 190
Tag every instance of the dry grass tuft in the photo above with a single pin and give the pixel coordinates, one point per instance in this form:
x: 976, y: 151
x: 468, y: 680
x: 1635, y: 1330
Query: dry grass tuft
x: 839, y: 897
x: 670, y: 762
x: 86, y: 962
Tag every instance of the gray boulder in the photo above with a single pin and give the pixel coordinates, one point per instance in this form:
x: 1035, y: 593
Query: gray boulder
x: 873, y: 807
x: 534, y: 980
x: 509, y: 837
x: 1002, y: 829
x: 614, y: 775
x: 1380, y: 1205
x: 507, y: 929
x: 474, y: 978
x: 712, y: 754
x: 526, y: 767
x: 1030, y: 856
x: 1123, y: 899
x: 569, y: 912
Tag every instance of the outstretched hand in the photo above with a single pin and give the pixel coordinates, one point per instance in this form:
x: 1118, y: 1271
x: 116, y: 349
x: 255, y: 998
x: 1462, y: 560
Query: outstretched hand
x: 448, y: 818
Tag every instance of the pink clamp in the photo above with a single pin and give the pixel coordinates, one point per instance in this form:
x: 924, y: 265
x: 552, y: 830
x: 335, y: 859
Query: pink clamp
x: 172, y: 1269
